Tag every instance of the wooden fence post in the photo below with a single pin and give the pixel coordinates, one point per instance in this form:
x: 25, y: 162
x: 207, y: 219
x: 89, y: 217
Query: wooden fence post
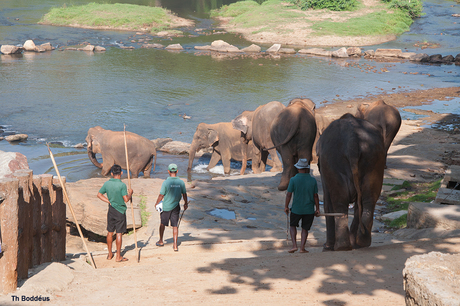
x: 46, y: 217
x: 58, y: 234
x: 9, y: 229
x: 37, y: 221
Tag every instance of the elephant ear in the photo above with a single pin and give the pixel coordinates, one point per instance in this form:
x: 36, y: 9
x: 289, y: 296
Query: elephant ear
x: 240, y: 123
x: 213, y: 137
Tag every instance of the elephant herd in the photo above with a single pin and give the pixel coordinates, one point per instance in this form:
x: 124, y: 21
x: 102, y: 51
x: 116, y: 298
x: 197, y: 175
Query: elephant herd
x: 350, y: 152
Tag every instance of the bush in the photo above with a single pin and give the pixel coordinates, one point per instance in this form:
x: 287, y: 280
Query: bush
x: 333, y: 5
x: 412, y: 7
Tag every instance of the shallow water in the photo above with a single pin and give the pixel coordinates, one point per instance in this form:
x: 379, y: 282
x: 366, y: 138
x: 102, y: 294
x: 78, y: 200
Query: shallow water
x: 57, y: 96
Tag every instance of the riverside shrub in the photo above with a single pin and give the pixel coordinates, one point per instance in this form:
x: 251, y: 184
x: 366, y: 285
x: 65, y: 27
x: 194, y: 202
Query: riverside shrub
x: 412, y: 7
x: 333, y: 5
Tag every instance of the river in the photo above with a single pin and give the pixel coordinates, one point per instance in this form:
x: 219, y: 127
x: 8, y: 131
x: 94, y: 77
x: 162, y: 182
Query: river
x: 57, y: 96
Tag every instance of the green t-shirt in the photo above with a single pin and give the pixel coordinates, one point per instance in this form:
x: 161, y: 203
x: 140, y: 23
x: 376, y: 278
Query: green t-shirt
x: 172, y: 189
x: 115, y: 190
x: 304, y: 187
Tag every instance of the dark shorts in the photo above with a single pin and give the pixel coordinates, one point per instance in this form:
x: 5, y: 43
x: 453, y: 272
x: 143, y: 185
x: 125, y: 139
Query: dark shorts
x: 172, y: 215
x: 307, y: 220
x: 116, y: 221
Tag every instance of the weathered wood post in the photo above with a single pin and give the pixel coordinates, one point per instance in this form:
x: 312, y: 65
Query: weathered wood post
x: 25, y: 202
x: 37, y: 221
x: 58, y: 234
x: 9, y: 229
x: 48, y: 197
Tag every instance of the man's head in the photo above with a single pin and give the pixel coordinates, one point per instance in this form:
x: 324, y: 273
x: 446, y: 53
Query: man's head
x: 302, y: 165
x: 172, y: 168
x: 115, y: 170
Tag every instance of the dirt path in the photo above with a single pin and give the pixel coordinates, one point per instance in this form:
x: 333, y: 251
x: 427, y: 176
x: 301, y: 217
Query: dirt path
x: 244, y: 260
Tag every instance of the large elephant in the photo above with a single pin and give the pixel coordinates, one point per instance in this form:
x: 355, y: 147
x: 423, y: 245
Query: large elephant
x: 351, y: 160
x: 322, y: 122
x: 255, y: 126
x: 383, y: 116
x: 293, y: 133
x: 226, y: 143
x: 111, y: 146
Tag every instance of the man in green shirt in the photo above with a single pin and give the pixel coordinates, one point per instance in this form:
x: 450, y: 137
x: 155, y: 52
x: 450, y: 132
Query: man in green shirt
x: 305, y: 189
x: 116, y: 196
x: 172, y: 189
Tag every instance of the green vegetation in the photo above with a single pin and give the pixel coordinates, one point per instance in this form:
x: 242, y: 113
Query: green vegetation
x: 143, y: 206
x: 411, y: 7
x: 399, y: 222
x: 333, y: 5
x: 115, y: 16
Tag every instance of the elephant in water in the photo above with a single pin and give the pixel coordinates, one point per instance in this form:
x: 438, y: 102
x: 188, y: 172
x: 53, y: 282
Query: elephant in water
x: 226, y: 143
x: 383, y: 116
x: 351, y: 160
x: 111, y: 146
x: 255, y: 126
x: 293, y: 133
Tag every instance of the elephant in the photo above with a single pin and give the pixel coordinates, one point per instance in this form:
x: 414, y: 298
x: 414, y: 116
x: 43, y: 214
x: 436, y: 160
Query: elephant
x: 383, y: 116
x: 293, y: 133
x: 226, y: 143
x: 351, y: 161
x: 322, y: 122
x: 255, y: 126
x: 112, y: 147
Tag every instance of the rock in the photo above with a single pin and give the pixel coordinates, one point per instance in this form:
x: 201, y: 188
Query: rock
x: 433, y: 215
x: 156, y: 46
x: 99, y: 49
x: 455, y: 15
x: 174, y: 47
x: 388, y: 52
x: 407, y: 55
x: 369, y: 53
x: 89, y: 48
x: 219, y: 44
x: 48, y: 278
x: 354, y: 51
x: 393, y: 215
x: 448, y: 59
x: 90, y: 211
x: 16, y: 137
x: 79, y: 146
x: 457, y: 58
x: 163, y: 33
x: 40, y: 49
x: 316, y: 51
x: 420, y: 57
x: 9, y: 49
x: 176, y: 148
x: 286, y: 51
x: 1, y: 138
x: 222, y: 46
x: 47, y: 46
x: 432, y: 279
x: 252, y: 48
x: 341, y: 53
x: 435, y: 58
x: 274, y: 48
x: 29, y: 45
x: 71, y: 49
x: 203, y: 47
x: 160, y: 142
x: 10, y: 162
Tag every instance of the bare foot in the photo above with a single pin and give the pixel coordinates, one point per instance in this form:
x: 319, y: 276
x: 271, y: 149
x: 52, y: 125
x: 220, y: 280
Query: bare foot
x: 292, y: 250
x: 303, y: 251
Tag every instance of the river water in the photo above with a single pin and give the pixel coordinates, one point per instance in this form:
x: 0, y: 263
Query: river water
x: 57, y: 96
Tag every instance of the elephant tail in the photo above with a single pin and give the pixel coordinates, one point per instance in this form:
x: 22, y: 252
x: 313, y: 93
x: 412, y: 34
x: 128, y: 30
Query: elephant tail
x: 291, y: 134
x: 154, y: 161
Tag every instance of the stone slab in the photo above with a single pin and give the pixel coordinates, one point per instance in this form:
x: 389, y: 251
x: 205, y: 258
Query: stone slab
x: 433, y: 215
x: 449, y: 192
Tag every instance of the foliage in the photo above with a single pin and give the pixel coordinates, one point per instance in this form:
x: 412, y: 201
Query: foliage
x: 405, y: 185
x: 417, y: 192
x: 143, y: 206
x: 118, y: 15
x: 235, y: 9
x: 333, y: 5
x: 399, y: 222
x: 411, y: 7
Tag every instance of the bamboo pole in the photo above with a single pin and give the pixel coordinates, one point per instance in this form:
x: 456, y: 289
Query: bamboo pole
x: 331, y: 214
x: 70, y: 206
x: 129, y: 187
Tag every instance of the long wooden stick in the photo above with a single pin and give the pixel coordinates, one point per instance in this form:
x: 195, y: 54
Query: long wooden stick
x: 129, y: 187
x: 331, y: 215
x: 70, y: 206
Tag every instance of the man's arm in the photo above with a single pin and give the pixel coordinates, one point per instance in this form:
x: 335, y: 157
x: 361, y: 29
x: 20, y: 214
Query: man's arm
x: 129, y: 196
x: 184, y: 196
x: 315, y: 196
x: 160, y: 198
x: 287, y: 201
x: 103, y: 198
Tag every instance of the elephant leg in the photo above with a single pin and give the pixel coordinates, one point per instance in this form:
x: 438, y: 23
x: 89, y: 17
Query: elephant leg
x: 289, y: 170
x: 108, y: 162
x: 226, y: 163
x: 354, y: 227
x: 148, y: 168
x: 364, y: 233
x: 330, y: 224
x: 257, y: 161
x: 135, y: 173
x: 215, y: 157
x: 278, y: 166
x: 342, y: 241
x: 244, y: 164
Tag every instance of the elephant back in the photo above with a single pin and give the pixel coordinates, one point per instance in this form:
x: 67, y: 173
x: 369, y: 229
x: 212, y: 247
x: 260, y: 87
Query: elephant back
x: 263, y: 118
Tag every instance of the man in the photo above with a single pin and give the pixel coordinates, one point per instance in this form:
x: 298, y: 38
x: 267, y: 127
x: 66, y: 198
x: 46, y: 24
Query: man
x: 171, y: 191
x: 117, y: 195
x: 305, y: 190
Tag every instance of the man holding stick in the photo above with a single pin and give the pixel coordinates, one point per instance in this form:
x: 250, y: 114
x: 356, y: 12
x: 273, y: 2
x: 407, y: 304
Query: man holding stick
x: 117, y: 195
x: 305, y: 189
x: 172, y: 189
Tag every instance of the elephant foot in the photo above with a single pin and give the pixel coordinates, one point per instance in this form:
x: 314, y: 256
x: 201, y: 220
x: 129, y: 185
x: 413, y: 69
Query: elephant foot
x: 282, y: 187
x: 328, y: 248
x: 343, y: 247
x: 276, y: 169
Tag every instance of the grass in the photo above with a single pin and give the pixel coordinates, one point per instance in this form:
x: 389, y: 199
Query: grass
x: 143, y: 206
x: 115, y: 16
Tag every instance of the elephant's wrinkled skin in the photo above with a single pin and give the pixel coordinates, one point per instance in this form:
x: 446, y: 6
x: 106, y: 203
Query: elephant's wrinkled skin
x: 255, y: 126
x: 293, y: 133
x: 225, y: 141
x: 351, y: 160
x: 383, y: 116
x: 111, y: 146
x: 322, y: 122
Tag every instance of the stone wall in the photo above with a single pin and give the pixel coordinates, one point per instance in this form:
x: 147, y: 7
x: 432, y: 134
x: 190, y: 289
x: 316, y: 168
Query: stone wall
x: 32, y: 223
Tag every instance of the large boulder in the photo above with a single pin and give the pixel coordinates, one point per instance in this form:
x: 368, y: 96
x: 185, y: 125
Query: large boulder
x: 354, y: 51
x: 222, y: 46
x: 274, y: 48
x: 252, y: 48
x: 9, y: 49
x: 91, y: 212
x: 89, y: 48
x: 436, y: 59
x: 17, y: 137
x: 341, y: 53
x: 29, y: 45
x: 176, y: 148
x: 174, y: 47
x: 420, y: 57
x: 47, y: 46
x: 316, y: 51
x: 10, y: 162
x: 388, y: 52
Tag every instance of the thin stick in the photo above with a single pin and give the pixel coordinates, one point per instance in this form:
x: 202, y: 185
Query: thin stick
x: 70, y: 206
x: 181, y: 216
x: 287, y: 227
x: 129, y: 187
x: 331, y: 214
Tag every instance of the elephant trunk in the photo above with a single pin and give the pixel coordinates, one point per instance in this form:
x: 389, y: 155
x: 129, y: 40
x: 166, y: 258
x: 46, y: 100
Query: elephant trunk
x: 193, y: 149
x: 92, y: 157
